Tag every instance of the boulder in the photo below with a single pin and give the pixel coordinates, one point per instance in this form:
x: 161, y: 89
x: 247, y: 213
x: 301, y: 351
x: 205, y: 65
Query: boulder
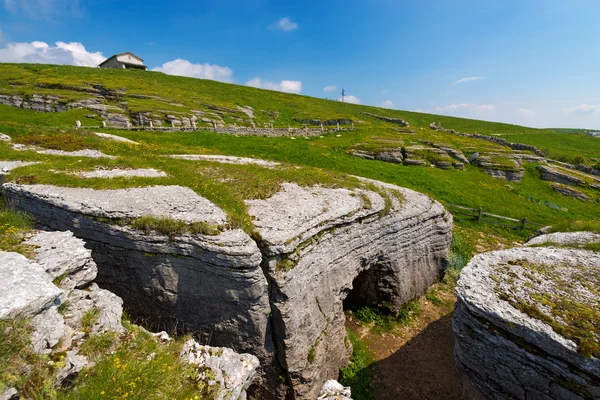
x: 392, y: 156
x: 278, y: 295
x: 524, y: 324
x: 28, y: 289
x: 228, y: 372
x: 4, y: 138
x: 333, y: 390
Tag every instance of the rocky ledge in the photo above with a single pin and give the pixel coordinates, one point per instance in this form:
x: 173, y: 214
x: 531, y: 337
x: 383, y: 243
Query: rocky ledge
x: 55, y: 292
x: 526, y: 323
x: 278, y: 294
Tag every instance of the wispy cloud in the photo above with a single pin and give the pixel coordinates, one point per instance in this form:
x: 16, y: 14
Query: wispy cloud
x: 387, y: 103
x: 582, y: 109
x: 204, y: 71
x: 284, y: 24
x: 72, y: 53
x: 283, y: 86
x: 385, y: 91
x: 330, y: 88
x: 526, y: 112
x: 464, y: 106
x: 469, y: 79
x: 350, y: 99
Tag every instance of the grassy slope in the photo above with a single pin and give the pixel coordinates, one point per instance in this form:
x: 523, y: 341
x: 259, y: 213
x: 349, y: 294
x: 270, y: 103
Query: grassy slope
x: 531, y: 198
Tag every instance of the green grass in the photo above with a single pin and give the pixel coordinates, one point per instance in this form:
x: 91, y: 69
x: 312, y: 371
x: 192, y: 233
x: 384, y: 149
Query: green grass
x: 13, y: 226
x: 358, y: 373
x: 131, y: 365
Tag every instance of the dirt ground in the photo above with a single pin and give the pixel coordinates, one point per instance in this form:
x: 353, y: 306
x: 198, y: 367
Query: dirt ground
x: 415, y: 362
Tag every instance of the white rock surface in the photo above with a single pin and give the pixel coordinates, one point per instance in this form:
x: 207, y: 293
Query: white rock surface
x: 7, y: 166
x: 122, y: 173
x: 28, y: 289
x: 233, y: 372
x: 333, y: 390
x: 176, y: 202
x: 565, y: 238
x: 115, y: 138
x: 79, y: 153
x: 5, y: 138
x: 225, y: 159
x: 296, y: 213
x: 504, y: 353
x: 64, y: 256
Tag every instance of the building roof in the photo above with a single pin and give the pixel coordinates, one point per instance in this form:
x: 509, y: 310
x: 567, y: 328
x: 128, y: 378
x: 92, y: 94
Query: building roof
x: 120, y: 54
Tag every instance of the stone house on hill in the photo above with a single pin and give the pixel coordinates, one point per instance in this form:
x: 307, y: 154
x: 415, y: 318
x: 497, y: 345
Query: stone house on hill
x: 124, y: 61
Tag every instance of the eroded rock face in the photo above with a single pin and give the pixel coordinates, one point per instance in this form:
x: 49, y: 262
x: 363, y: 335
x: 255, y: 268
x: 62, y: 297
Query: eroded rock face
x: 317, y: 241
x: 500, y: 166
x: 279, y: 298
x: 514, y: 339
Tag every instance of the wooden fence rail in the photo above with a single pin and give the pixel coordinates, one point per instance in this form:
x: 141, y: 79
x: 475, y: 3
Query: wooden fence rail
x: 478, y: 214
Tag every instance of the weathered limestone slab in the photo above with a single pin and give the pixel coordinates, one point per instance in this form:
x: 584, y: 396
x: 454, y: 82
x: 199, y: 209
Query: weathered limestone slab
x: 319, y: 244
x: 177, y: 202
x: 79, y: 153
x: 122, y: 173
x: 567, y: 191
x: 565, y: 239
x: 549, y: 173
x: 115, y: 138
x: 7, y: 166
x: 224, y: 159
x: 232, y: 372
x: 28, y: 290
x: 5, y: 138
x: 210, y: 285
x: 64, y: 256
x: 499, y: 166
x: 508, y: 344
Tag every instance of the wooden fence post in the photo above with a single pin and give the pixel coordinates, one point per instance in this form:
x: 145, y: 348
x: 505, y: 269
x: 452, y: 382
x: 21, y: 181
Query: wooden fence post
x: 523, y: 222
x: 479, y: 214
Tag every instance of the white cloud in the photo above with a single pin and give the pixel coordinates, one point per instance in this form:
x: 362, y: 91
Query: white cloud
x: 283, y: 86
x: 465, y: 106
x: 385, y: 91
x: 204, y: 71
x: 72, y: 53
x: 582, y: 109
x: 526, y: 112
x: 387, y: 103
x: 330, y: 88
x: 469, y: 79
x: 350, y: 99
x: 284, y: 24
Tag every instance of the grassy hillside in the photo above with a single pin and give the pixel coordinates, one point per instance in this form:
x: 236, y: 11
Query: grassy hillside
x: 322, y: 158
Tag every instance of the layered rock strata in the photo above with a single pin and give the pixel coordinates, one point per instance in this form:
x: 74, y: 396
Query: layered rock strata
x: 55, y: 292
x: 525, y: 323
x: 278, y: 296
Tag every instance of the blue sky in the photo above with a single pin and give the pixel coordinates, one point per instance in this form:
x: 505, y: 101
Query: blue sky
x: 531, y: 62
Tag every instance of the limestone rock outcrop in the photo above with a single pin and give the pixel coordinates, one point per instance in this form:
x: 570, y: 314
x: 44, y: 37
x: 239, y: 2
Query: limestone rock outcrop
x: 227, y: 373
x: 278, y: 294
x: 500, y: 166
x: 525, y: 323
x: 333, y: 390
